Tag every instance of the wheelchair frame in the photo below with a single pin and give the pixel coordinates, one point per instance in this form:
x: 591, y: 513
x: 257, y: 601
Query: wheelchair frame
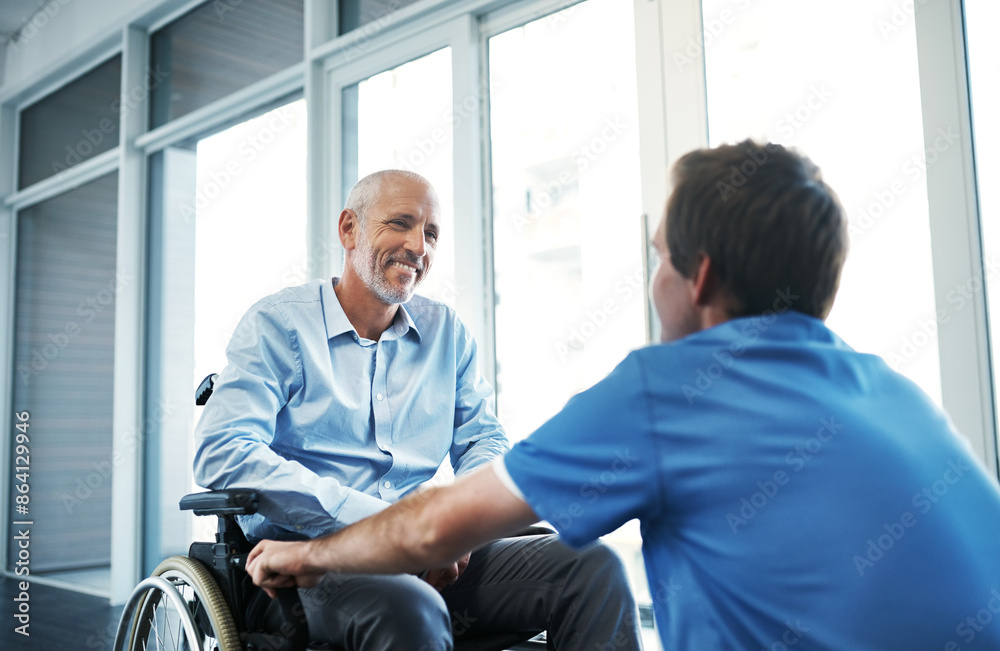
x: 211, y: 591
x: 217, y: 606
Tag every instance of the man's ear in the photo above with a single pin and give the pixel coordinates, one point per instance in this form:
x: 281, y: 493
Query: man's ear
x: 348, y: 227
x: 706, y: 286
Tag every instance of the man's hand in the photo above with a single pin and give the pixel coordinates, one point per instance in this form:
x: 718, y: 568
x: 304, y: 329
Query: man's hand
x: 440, y: 578
x: 272, y: 565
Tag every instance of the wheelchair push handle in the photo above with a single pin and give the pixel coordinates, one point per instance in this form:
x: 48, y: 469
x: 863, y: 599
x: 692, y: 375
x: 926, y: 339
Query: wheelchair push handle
x: 204, y: 390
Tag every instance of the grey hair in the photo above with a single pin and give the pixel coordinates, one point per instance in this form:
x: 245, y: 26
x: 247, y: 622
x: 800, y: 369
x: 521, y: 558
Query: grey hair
x: 365, y: 192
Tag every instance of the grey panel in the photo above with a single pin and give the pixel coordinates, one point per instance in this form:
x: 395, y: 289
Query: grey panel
x: 220, y: 48
x: 357, y: 13
x: 64, y: 370
x: 73, y: 124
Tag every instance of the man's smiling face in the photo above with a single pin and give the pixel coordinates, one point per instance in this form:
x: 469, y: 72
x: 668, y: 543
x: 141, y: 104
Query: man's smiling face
x: 397, y: 239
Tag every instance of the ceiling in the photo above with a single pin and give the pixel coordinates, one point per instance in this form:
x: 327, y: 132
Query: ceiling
x: 15, y: 13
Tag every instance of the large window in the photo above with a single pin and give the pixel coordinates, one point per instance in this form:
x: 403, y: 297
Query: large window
x: 840, y: 83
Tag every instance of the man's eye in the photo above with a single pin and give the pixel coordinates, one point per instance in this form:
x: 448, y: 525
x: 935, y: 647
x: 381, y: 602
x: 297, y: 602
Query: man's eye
x: 432, y: 236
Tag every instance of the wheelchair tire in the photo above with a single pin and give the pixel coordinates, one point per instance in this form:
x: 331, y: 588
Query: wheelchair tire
x: 159, y: 624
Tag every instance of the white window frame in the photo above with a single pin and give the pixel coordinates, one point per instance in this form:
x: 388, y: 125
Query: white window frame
x: 956, y: 238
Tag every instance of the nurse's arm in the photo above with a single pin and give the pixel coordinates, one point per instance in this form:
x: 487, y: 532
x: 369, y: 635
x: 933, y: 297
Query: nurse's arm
x: 428, y: 529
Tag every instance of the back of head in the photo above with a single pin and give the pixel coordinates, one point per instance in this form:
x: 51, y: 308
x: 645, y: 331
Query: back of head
x: 766, y: 219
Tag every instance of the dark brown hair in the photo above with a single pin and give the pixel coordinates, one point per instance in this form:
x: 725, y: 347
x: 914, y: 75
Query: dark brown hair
x: 770, y: 225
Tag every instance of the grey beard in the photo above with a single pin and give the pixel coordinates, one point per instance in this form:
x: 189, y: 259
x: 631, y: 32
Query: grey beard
x: 367, y: 268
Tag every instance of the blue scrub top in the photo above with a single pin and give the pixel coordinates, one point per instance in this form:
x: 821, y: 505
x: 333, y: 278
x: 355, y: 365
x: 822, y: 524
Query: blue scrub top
x: 792, y: 493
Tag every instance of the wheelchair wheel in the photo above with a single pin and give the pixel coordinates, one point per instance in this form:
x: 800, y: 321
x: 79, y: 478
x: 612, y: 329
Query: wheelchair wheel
x: 178, y: 608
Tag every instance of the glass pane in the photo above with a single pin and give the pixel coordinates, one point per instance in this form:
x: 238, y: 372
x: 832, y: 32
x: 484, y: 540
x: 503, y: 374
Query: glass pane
x: 779, y: 70
x: 984, y: 62
x: 63, y: 376
x: 567, y: 232
x: 566, y: 208
x: 221, y: 47
x: 355, y: 13
x: 228, y: 228
x: 250, y: 235
x: 403, y: 119
x: 73, y: 124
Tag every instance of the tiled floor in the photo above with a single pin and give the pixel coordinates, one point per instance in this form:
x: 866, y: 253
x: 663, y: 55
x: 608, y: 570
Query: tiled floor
x: 93, y: 580
x: 59, y: 619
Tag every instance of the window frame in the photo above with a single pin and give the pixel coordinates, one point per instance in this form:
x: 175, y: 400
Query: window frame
x: 967, y: 376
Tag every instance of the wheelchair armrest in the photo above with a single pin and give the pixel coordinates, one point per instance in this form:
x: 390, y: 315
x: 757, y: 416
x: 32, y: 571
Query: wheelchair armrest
x: 235, y: 501
x: 533, y: 530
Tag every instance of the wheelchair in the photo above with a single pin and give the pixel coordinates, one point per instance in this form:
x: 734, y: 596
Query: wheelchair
x: 206, y: 601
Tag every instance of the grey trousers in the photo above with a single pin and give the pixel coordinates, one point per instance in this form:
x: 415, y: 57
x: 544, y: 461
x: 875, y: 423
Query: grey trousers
x: 512, y: 589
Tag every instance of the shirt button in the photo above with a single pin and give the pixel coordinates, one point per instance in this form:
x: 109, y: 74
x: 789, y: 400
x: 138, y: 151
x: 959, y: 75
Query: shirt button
x: 378, y: 396
x: 388, y: 484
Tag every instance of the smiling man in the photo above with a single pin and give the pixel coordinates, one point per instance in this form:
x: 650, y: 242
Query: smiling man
x: 342, y: 396
x: 793, y: 493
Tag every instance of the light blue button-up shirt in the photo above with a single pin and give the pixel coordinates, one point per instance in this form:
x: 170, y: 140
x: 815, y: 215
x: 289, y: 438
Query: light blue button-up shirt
x: 331, y: 427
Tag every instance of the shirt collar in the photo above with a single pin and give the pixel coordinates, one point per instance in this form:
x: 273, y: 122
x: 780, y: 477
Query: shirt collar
x: 403, y: 323
x: 337, y: 322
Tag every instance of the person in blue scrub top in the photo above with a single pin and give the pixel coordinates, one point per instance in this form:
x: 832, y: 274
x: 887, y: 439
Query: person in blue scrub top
x: 792, y: 492
x: 344, y: 395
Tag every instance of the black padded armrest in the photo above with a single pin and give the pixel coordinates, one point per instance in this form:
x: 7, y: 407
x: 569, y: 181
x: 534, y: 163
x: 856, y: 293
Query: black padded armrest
x: 228, y: 502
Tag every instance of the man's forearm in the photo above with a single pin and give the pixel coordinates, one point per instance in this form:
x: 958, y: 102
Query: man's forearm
x: 403, y: 538
x: 429, y: 529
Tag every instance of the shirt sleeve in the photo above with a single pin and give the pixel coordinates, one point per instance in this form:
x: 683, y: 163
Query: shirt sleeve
x: 592, y: 467
x: 478, y: 436
x: 237, y: 427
